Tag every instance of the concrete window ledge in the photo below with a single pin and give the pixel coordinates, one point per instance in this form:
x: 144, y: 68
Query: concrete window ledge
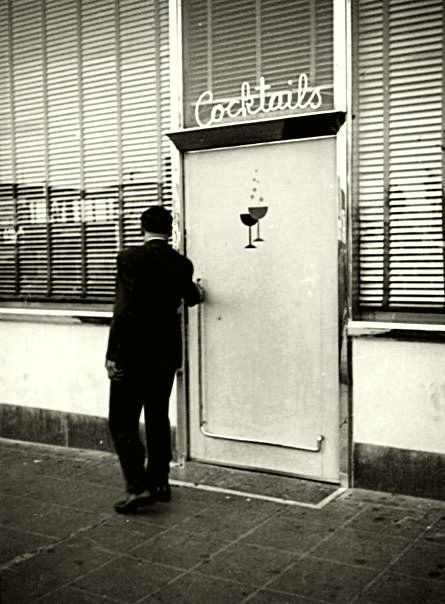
x: 399, y: 331
x: 56, y: 315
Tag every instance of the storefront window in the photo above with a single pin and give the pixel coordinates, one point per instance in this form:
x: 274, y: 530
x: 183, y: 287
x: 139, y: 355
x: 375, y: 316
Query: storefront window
x: 255, y: 59
x: 398, y: 157
x: 84, y: 106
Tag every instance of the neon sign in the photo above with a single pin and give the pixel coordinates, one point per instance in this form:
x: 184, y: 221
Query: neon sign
x: 299, y: 95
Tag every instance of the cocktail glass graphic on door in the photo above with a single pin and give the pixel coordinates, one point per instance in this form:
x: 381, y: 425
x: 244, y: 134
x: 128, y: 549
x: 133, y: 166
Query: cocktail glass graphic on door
x: 258, y: 212
x: 249, y: 221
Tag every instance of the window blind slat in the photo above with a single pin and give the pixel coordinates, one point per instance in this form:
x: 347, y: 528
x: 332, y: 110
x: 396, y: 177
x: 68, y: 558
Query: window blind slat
x: 401, y: 222
x: 82, y: 149
x: 228, y: 43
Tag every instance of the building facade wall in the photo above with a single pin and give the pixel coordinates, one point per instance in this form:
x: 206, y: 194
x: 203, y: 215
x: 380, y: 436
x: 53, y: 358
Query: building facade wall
x: 399, y: 414
x: 61, y: 179
x: 396, y: 202
x: 84, y: 104
x: 399, y: 394
x: 55, y: 366
x: 53, y: 383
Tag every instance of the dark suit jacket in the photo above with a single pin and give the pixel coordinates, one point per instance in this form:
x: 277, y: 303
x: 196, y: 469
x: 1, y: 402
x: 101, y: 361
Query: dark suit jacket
x: 152, y: 281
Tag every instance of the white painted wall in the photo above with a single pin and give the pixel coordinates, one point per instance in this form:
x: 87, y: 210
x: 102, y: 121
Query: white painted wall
x: 57, y: 366
x: 399, y: 394
x: 399, y: 387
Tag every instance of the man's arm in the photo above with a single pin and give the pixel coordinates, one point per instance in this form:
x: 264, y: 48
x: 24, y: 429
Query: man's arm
x: 194, y: 292
x: 122, y: 311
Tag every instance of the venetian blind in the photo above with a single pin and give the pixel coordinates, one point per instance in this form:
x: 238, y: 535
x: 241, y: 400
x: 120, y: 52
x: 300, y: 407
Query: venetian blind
x: 84, y: 103
x: 227, y: 43
x: 399, y: 153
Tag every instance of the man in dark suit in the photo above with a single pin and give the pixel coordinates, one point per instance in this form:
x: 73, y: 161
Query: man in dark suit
x: 144, y: 352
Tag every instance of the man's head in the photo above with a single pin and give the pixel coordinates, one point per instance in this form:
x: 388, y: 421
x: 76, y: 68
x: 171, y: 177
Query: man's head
x: 157, y: 220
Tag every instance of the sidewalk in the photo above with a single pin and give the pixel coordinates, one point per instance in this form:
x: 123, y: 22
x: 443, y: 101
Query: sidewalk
x: 62, y: 543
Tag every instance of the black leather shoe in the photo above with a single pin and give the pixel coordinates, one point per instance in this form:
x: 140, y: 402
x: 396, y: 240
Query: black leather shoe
x: 134, y: 502
x: 163, y: 493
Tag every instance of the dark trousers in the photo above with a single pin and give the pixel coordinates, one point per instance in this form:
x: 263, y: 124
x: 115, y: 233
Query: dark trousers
x: 147, y: 387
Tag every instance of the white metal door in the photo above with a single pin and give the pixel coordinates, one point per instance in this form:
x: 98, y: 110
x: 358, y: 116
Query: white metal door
x: 263, y: 350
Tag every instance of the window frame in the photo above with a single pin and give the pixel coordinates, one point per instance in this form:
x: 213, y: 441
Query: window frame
x: 398, y: 314
x: 125, y: 29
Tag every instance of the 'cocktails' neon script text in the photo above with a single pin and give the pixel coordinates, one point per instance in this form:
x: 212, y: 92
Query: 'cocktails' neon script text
x: 302, y: 96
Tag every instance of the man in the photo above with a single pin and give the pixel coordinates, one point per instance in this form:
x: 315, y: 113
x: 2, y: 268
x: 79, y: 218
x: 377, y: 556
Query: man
x: 144, y: 352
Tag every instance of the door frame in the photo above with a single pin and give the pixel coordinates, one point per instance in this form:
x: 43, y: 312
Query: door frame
x: 272, y: 130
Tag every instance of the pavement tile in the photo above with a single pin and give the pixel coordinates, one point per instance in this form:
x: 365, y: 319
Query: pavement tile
x: 198, y: 589
x: 323, y: 580
x: 100, y: 472
x: 399, y: 589
x: 22, y: 513
x: 423, y: 560
x: 22, y: 589
x: 225, y: 520
x: 337, y: 511
x: 179, y: 548
x: 363, y: 496
x: 127, y: 579
x: 196, y: 472
x: 247, y: 563
x: 68, y: 559
x: 122, y: 533
x: 356, y: 547
x: 170, y: 514
x: 290, y: 533
x: 15, y: 542
x: 15, y: 482
x: 97, y: 497
x: 406, y: 523
x: 238, y: 505
x: 436, y: 531
x: 191, y: 493
x: 59, y: 522
x: 268, y: 596
x: 51, y: 462
x: 72, y: 595
x: 7, y: 450
x: 27, y: 479
x: 55, y: 466
x: 16, y: 455
x: 55, y: 490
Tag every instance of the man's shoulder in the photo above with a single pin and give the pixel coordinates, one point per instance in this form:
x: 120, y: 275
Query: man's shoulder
x: 186, y: 262
x: 168, y: 250
x: 143, y: 253
x: 179, y: 254
x: 178, y: 262
x: 129, y: 252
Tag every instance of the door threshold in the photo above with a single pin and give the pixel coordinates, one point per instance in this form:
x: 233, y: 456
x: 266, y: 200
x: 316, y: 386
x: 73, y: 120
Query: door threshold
x: 252, y: 484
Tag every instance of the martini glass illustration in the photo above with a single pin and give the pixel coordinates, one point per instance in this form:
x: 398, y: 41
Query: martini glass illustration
x: 249, y: 221
x: 258, y: 212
